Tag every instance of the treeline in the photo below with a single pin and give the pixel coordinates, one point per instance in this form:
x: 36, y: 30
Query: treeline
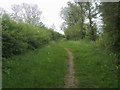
x: 20, y: 36
x: 80, y: 23
x: 78, y: 17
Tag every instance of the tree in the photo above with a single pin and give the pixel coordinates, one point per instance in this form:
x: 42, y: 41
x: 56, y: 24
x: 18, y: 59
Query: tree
x: 2, y: 11
x: 26, y: 13
x: 110, y: 12
x: 91, y: 13
x: 74, y: 17
x: 70, y: 14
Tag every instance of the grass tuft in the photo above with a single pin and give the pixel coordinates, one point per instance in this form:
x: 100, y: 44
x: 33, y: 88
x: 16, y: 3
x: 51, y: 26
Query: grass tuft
x: 94, y: 68
x: 42, y: 68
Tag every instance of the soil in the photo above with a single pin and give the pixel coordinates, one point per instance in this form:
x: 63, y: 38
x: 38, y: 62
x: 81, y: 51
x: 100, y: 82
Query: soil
x: 70, y: 78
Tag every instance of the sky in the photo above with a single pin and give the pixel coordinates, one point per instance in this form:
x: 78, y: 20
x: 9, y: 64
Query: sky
x: 50, y: 10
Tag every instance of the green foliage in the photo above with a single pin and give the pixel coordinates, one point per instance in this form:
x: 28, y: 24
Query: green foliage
x: 74, y: 32
x: 20, y: 37
x: 75, y: 15
x: 55, y: 35
x: 71, y: 14
x: 111, y: 29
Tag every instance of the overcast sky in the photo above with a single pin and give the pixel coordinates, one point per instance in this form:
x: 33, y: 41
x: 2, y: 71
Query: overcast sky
x: 50, y: 10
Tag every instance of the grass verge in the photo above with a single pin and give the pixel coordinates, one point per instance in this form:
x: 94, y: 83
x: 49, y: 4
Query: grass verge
x: 93, y: 66
x: 42, y: 68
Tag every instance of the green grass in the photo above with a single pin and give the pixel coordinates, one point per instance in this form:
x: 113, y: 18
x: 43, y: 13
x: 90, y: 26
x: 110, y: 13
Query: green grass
x: 42, y: 68
x: 94, y: 68
x: 47, y: 67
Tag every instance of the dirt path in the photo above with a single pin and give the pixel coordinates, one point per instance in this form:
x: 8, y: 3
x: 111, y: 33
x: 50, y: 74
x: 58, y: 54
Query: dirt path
x: 70, y: 78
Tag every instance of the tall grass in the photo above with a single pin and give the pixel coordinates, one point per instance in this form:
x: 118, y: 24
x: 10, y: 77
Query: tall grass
x: 42, y: 68
x: 93, y: 66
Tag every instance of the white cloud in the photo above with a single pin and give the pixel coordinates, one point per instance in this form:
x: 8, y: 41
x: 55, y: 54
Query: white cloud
x: 50, y: 9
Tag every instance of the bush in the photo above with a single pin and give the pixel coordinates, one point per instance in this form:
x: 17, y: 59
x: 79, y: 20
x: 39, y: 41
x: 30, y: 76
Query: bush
x: 19, y: 37
x: 74, y: 33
